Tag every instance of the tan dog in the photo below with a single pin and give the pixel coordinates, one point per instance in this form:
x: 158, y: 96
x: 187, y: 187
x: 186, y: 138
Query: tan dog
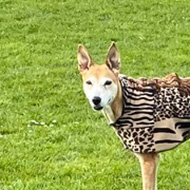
x: 103, y: 89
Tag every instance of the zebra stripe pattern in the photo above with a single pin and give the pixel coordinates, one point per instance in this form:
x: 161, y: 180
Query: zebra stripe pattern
x: 152, y: 118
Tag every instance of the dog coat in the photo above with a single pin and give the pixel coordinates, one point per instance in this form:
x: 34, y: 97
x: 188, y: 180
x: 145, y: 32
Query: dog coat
x: 156, y: 113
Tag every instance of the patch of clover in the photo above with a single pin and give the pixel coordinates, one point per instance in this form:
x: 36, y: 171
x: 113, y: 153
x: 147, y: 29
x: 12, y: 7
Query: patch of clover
x: 40, y: 123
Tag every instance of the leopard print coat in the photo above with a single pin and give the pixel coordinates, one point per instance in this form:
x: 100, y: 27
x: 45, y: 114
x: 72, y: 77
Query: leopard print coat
x: 156, y: 113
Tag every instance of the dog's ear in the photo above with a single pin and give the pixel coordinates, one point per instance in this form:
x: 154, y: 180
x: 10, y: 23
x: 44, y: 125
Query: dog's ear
x: 84, y: 59
x: 113, y: 58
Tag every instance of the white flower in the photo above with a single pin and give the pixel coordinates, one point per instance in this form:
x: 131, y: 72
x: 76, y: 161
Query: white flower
x: 54, y: 121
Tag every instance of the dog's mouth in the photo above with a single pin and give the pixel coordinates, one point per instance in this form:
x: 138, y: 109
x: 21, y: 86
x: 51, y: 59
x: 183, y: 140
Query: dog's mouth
x: 98, y: 108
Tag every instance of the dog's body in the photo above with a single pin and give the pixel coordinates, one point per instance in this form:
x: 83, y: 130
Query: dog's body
x: 138, y: 109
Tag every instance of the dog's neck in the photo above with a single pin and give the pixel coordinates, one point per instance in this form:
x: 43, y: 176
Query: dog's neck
x: 113, y: 112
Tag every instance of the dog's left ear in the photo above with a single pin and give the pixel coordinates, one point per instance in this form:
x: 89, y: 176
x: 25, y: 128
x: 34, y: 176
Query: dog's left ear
x: 113, y: 59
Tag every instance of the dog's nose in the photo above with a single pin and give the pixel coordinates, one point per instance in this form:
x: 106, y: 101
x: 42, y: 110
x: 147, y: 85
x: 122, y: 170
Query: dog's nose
x: 96, y: 100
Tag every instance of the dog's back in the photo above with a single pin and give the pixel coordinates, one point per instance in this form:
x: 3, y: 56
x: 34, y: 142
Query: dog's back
x: 156, y: 113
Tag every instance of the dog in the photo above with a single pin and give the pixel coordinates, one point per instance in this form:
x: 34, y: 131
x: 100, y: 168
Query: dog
x: 149, y: 115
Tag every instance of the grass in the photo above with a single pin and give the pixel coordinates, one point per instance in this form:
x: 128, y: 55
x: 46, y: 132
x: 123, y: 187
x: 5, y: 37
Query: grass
x: 39, y: 80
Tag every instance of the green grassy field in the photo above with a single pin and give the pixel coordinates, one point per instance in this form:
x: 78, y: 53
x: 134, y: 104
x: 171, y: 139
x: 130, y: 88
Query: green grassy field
x: 39, y: 81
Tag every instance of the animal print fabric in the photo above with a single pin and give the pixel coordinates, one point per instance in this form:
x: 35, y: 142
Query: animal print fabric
x: 156, y: 113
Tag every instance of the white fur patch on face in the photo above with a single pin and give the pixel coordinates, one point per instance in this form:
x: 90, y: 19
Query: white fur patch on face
x: 104, y: 88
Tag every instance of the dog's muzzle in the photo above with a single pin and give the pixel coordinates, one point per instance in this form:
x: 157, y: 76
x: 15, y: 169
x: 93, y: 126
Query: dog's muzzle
x: 96, y: 101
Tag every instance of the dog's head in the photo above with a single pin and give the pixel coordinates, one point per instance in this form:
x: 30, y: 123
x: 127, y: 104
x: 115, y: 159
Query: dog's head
x: 100, y: 82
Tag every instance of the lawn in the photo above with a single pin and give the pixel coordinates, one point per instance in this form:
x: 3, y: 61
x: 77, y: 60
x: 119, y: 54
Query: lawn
x: 39, y: 81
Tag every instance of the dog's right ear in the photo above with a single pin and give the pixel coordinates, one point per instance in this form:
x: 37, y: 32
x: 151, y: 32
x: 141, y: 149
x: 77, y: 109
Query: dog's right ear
x: 84, y: 59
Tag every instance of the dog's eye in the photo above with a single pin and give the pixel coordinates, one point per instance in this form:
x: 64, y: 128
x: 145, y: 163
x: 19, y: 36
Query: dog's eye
x: 88, y: 82
x: 107, y: 83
